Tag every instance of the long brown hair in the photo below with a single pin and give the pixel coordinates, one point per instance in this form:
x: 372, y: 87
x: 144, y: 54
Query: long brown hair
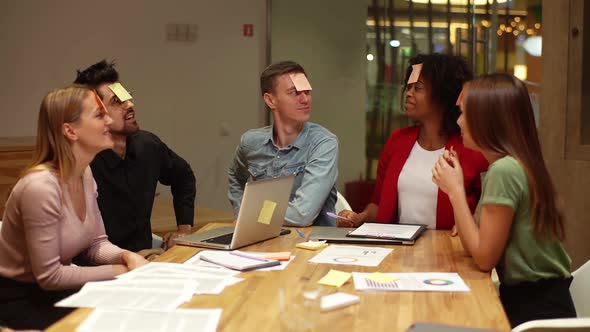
x: 500, y: 119
x: 53, y: 150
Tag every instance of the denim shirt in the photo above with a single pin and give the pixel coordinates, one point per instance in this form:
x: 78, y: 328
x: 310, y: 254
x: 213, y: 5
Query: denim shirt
x: 312, y: 158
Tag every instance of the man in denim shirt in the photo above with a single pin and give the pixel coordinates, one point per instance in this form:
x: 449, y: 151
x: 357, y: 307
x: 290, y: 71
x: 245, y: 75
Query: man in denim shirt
x: 291, y: 146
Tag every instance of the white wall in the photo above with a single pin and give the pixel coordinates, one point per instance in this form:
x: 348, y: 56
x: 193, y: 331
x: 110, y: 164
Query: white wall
x: 184, y: 91
x: 328, y: 38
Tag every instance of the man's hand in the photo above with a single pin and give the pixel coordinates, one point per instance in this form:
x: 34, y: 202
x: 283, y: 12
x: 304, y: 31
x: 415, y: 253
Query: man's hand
x: 168, y: 238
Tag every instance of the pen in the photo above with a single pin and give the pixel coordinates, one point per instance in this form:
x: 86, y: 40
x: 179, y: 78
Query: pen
x: 300, y: 233
x: 245, y: 255
x: 334, y: 215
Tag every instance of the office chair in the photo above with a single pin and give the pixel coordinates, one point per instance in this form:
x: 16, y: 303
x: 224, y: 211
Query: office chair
x: 555, y: 325
x: 580, y: 290
x: 341, y: 203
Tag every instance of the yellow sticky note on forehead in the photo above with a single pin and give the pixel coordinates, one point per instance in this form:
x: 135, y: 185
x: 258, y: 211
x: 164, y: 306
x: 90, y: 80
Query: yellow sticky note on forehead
x: 268, y: 208
x: 415, y: 75
x: 460, y: 98
x: 300, y: 81
x: 120, y: 91
x: 335, y: 278
x: 381, y: 277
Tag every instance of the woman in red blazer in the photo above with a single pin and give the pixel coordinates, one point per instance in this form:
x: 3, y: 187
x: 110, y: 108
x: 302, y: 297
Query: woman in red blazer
x: 431, y: 98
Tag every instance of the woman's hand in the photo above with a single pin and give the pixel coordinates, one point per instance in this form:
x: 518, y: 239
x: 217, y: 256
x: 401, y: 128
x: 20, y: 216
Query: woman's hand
x: 447, y: 174
x: 119, y: 269
x: 133, y: 260
x: 349, y: 219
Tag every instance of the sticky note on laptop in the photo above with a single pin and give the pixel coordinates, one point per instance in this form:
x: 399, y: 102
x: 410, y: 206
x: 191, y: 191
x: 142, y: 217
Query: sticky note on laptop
x: 120, y: 91
x: 268, y: 208
x: 335, y: 278
x: 382, y: 278
x: 312, y: 245
x: 300, y: 81
x: 415, y: 75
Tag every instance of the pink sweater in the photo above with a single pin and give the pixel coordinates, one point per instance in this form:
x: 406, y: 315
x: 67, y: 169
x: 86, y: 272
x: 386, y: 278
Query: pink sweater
x: 41, y: 234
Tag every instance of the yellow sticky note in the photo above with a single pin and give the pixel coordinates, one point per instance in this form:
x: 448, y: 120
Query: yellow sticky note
x: 268, y: 208
x: 415, y: 75
x: 300, y: 81
x: 381, y: 277
x: 120, y: 91
x: 279, y: 256
x: 460, y: 98
x: 335, y: 278
x: 312, y: 245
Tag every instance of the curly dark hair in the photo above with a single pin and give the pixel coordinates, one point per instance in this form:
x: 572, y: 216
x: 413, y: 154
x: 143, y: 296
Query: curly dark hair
x: 97, y: 74
x: 446, y: 74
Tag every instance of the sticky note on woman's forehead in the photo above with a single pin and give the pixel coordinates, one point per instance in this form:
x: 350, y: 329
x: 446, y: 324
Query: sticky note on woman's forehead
x: 415, y: 75
x: 120, y: 91
x: 460, y: 98
x: 300, y: 81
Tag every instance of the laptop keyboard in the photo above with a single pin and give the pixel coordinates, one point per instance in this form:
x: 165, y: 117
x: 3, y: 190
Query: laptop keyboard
x: 222, y: 239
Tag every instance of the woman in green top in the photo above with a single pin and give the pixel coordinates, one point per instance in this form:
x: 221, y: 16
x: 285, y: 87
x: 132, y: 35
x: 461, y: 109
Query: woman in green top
x: 518, y: 224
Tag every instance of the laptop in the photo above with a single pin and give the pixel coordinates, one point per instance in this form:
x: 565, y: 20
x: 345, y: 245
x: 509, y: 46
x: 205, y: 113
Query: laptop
x: 341, y: 235
x: 261, y: 216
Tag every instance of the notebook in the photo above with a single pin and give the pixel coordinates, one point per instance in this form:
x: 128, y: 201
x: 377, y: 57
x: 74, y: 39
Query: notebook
x: 235, y: 262
x: 342, y: 235
x: 403, y: 232
x: 261, y: 216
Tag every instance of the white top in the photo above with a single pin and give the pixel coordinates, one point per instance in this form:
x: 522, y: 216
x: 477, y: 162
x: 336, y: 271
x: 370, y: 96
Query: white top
x: 417, y: 194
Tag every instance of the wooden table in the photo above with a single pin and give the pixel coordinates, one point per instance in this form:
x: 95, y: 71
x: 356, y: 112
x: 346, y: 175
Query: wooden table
x: 164, y: 220
x: 252, y: 305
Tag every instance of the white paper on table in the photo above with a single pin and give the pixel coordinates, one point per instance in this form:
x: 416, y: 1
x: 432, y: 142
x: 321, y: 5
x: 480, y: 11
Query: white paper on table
x: 124, y: 298
x: 156, y: 268
x: 351, y: 255
x: 418, y: 282
x: 179, y: 320
x: 197, y: 261
x: 187, y: 286
x: 206, y: 284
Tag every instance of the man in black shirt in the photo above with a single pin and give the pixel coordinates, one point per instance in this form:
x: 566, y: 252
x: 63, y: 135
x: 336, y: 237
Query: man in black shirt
x: 128, y: 174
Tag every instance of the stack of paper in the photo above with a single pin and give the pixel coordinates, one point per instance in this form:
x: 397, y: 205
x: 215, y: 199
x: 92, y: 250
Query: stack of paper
x: 178, y: 320
x: 155, y: 286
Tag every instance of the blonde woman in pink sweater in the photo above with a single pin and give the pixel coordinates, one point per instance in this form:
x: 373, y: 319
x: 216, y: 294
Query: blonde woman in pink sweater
x: 52, y: 215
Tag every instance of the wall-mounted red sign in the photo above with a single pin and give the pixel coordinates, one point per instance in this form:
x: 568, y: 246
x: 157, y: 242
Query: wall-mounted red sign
x: 248, y: 30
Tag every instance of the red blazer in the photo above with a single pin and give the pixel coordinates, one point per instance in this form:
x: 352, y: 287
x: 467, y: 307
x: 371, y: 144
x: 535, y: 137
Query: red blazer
x: 392, y: 160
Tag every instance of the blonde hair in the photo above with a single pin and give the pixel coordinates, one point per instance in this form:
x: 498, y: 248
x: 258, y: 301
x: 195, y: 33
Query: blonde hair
x: 53, y: 150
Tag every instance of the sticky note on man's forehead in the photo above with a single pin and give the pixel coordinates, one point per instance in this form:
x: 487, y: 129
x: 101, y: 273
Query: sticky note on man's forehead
x: 300, y: 81
x: 120, y: 91
x: 415, y: 75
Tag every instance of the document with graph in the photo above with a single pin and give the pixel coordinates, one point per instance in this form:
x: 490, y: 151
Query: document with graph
x: 416, y: 282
